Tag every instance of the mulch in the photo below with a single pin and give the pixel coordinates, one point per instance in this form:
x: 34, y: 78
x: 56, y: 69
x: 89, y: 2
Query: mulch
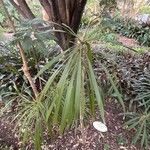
x: 87, y: 138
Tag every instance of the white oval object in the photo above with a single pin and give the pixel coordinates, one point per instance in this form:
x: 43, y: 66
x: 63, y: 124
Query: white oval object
x: 100, y: 126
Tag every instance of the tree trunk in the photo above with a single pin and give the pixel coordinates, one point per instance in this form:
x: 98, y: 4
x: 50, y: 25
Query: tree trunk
x: 23, y: 8
x: 68, y: 12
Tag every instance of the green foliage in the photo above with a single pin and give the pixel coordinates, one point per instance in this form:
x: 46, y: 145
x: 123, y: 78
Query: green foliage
x: 10, y: 72
x: 2, y: 16
x: 70, y: 94
x: 3, y: 19
x: 100, y: 33
x: 127, y: 28
x: 85, y: 21
x: 140, y: 123
x: 35, y: 42
x: 134, y: 79
x: 142, y: 88
x: 37, y: 50
x: 75, y: 71
x: 70, y: 91
x: 132, y: 30
x: 145, y: 9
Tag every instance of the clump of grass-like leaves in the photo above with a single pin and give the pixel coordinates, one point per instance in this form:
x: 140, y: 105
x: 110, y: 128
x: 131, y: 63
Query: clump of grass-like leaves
x: 67, y: 97
x: 140, y: 122
x: 140, y: 119
x: 70, y: 91
x: 75, y: 88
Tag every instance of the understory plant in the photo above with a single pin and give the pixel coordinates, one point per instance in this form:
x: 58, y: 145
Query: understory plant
x: 139, y: 123
x: 131, y: 29
x: 140, y: 118
x: 134, y: 76
x: 69, y: 94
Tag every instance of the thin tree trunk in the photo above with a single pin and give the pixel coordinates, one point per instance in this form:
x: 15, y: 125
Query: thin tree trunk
x: 25, y: 67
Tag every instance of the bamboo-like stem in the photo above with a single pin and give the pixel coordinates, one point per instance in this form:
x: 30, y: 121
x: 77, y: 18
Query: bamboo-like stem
x: 25, y: 67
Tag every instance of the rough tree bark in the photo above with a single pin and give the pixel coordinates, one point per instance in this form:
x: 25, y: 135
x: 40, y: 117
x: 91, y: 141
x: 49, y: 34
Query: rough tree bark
x: 67, y: 12
x: 23, y: 8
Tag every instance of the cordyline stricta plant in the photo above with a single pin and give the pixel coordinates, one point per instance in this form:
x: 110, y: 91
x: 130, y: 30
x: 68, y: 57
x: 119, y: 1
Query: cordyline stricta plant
x: 68, y: 12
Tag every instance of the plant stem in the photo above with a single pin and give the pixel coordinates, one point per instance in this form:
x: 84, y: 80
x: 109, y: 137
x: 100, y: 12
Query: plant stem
x: 25, y: 67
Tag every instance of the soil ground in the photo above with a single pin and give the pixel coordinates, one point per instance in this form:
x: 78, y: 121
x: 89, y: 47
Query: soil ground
x: 127, y: 41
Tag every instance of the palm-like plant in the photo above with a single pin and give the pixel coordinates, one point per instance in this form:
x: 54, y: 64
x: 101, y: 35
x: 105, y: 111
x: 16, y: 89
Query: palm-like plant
x: 68, y: 96
x: 69, y: 93
x: 76, y: 86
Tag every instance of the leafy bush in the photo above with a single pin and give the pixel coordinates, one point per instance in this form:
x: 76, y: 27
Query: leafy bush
x: 98, y: 33
x: 133, y: 71
x: 140, y: 120
x: 142, y: 88
x: 133, y: 75
x: 127, y: 28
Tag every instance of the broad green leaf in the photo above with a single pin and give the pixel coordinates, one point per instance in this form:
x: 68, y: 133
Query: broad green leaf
x: 89, y: 52
x: 38, y: 134
x: 49, y: 111
x: 49, y: 82
x: 144, y: 136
